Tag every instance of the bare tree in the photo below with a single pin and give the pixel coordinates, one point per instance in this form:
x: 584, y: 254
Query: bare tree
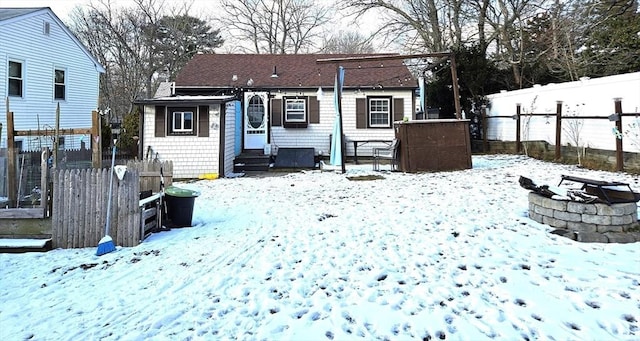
x: 440, y: 25
x: 507, y: 19
x: 347, y: 42
x: 573, y: 130
x: 422, y: 25
x: 276, y: 26
x: 136, y: 44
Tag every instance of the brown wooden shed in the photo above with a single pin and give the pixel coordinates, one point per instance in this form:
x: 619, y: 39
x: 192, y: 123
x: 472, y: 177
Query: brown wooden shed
x: 433, y: 145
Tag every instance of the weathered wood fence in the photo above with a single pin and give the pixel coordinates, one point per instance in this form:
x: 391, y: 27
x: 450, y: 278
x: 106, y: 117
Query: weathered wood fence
x: 12, y: 151
x: 80, y: 200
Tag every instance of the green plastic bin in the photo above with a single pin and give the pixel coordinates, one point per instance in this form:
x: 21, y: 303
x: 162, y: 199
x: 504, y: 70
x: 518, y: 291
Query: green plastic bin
x: 180, y: 202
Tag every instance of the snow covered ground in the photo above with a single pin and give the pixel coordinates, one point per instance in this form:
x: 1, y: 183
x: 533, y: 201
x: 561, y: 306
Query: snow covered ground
x: 320, y: 256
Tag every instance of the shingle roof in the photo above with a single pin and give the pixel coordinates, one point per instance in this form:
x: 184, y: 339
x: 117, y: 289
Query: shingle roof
x: 293, y: 70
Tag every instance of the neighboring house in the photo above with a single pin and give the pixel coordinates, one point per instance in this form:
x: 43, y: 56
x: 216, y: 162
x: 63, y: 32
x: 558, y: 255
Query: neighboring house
x: 43, y: 64
x: 224, y: 105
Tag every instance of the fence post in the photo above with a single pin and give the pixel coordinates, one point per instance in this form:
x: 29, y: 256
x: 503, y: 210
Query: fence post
x: 485, y: 142
x: 96, y: 154
x: 518, y: 109
x: 44, y: 181
x: 619, y: 151
x: 558, y: 155
x: 12, y: 189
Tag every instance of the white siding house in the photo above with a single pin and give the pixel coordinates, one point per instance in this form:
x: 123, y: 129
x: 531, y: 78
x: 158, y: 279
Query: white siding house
x: 42, y: 65
x: 243, y: 106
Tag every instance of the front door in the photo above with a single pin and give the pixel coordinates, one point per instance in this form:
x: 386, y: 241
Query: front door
x: 256, y: 128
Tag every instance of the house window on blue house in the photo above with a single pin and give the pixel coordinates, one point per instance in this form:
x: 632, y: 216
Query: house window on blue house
x: 379, y: 112
x: 15, y: 79
x: 59, y: 84
x: 182, y: 122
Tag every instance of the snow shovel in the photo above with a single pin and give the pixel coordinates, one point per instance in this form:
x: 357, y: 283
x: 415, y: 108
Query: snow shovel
x: 106, y: 244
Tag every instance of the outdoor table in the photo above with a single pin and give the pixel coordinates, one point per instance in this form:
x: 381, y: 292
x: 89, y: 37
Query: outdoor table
x: 361, y: 142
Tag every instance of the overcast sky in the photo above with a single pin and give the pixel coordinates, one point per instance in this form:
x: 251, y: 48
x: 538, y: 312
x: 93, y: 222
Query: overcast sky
x: 62, y: 8
x: 204, y: 9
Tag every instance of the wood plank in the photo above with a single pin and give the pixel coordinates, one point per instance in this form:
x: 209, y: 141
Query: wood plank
x: 11, y: 160
x: 44, y: 182
x: 66, y: 209
x: 71, y: 131
x: 73, y: 208
x: 22, y: 213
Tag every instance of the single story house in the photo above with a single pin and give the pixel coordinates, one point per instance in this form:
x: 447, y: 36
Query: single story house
x: 222, y: 106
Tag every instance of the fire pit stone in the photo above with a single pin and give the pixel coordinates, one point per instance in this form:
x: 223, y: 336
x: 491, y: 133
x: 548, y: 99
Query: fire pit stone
x: 584, y: 221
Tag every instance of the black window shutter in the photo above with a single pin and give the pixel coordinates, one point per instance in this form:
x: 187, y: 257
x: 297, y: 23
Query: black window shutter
x: 203, y: 121
x: 276, y: 112
x: 361, y: 113
x: 314, y: 110
x: 159, y: 123
x: 398, y: 109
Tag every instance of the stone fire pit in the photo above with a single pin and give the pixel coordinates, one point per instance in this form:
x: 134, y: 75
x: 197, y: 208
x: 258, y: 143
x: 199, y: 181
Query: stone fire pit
x: 584, y: 216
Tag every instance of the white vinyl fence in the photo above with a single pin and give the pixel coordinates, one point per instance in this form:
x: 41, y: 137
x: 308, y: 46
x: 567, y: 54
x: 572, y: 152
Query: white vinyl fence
x: 583, y: 98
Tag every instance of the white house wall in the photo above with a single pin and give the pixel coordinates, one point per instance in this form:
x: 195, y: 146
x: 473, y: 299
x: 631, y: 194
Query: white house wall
x: 24, y: 41
x: 587, y: 97
x: 192, y: 156
x: 317, y: 135
x: 229, y: 137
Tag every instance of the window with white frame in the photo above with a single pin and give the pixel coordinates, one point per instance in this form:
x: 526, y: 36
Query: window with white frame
x: 379, y: 112
x: 59, y: 84
x: 182, y: 122
x: 295, y: 110
x: 15, y: 78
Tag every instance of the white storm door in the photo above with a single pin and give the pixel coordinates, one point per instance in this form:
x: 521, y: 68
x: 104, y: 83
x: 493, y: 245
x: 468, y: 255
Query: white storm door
x: 256, y: 128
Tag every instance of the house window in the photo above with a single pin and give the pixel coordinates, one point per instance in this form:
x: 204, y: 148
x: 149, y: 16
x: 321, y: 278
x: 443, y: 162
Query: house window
x: 15, y: 79
x: 59, y: 84
x: 295, y: 110
x: 379, y: 112
x: 182, y: 122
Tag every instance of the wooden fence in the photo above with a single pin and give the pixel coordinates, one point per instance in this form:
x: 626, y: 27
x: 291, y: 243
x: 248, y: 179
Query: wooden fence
x: 80, y: 200
x: 559, y: 117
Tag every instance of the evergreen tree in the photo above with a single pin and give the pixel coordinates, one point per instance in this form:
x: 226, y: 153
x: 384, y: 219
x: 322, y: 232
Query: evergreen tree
x: 611, y: 41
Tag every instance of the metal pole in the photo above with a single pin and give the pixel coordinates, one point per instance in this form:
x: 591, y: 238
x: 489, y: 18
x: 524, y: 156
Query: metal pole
x: 342, y: 144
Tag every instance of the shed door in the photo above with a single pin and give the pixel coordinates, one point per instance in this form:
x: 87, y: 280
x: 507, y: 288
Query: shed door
x: 256, y: 129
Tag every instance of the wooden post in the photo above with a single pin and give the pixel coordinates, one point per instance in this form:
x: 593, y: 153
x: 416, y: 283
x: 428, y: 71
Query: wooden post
x: 44, y: 182
x: 96, y: 140
x: 456, y: 91
x: 518, y: 110
x: 11, y: 160
x: 56, y: 141
x: 558, y: 155
x: 485, y: 141
x: 619, y: 151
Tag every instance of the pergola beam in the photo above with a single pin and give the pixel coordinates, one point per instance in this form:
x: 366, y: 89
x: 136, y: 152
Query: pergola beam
x: 442, y: 55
